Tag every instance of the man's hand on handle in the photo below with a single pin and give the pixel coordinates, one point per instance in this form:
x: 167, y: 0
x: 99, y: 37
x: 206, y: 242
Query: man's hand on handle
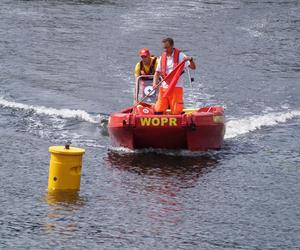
x: 192, y: 63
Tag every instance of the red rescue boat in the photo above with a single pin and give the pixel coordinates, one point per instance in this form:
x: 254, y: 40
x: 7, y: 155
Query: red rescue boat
x: 138, y: 127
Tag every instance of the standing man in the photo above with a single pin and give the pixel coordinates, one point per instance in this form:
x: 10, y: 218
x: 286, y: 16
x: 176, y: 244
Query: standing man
x: 169, y: 59
x: 147, y: 65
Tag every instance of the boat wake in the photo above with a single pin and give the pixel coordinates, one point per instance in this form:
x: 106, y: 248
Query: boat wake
x: 63, y: 113
x: 56, y: 125
x: 245, y: 125
x: 167, y: 152
x: 234, y: 127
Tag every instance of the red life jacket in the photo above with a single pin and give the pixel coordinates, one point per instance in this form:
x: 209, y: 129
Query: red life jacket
x: 164, y: 61
x: 151, y: 68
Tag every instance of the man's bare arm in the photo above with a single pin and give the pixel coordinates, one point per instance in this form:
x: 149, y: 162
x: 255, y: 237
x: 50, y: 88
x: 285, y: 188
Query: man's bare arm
x: 155, y: 78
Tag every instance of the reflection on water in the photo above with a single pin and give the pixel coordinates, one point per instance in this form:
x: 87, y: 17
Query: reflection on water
x: 161, y: 182
x: 63, y: 206
x: 66, y: 198
x: 151, y: 163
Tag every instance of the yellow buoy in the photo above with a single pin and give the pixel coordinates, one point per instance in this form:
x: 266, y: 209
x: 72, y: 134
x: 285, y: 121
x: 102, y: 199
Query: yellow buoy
x: 65, y: 168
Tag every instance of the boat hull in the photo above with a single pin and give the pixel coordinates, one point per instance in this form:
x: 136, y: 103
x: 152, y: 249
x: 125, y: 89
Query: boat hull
x: 199, y: 131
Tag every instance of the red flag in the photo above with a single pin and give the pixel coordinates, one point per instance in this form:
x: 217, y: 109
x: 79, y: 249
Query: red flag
x: 172, y: 78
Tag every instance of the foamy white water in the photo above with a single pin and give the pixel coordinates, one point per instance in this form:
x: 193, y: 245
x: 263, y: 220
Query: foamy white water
x: 64, y: 113
x: 245, y: 125
x: 169, y: 152
x: 233, y: 127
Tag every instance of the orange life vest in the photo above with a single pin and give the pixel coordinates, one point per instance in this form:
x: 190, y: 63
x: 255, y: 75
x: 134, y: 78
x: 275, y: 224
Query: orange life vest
x: 164, y: 61
x: 151, y: 68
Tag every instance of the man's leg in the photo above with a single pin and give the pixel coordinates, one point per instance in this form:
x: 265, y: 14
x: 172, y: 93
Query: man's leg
x: 177, y: 101
x: 161, y: 104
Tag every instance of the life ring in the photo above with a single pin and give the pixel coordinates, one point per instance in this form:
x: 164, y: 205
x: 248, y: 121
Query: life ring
x: 148, y: 91
x: 144, y: 109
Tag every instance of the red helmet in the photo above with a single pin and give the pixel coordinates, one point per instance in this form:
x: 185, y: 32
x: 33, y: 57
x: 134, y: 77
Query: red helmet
x: 144, y: 52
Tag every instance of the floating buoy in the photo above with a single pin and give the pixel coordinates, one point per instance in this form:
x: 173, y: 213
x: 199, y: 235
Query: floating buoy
x: 65, y: 168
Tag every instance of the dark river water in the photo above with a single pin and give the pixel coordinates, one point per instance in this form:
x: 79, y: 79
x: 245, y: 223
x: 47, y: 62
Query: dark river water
x: 62, y: 63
